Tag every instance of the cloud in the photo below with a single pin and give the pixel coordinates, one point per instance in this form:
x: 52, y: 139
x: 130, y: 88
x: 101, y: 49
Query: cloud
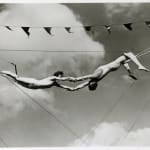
x: 44, y: 98
x: 139, y: 137
x: 105, y: 134
x: 13, y: 100
x: 10, y: 103
x: 39, y: 65
x: 115, y: 133
x: 128, y: 9
x: 48, y: 15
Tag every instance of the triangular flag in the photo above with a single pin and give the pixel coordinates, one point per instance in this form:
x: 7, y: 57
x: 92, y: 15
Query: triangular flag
x: 8, y: 28
x: 68, y: 29
x: 108, y: 29
x: 48, y: 30
x: 128, y: 26
x: 26, y: 30
x: 88, y: 28
x: 147, y: 23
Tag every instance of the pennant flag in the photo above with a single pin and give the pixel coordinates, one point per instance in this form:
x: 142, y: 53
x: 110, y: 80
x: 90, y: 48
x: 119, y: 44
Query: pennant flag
x: 68, y: 29
x: 128, y: 26
x: 108, y: 29
x: 48, y: 30
x: 88, y: 28
x: 8, y: 28
x: 26, y: 30
x: 147, y: 23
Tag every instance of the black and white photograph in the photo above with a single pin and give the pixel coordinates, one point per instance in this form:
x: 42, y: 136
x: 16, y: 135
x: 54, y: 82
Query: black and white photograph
x: 74, y: 74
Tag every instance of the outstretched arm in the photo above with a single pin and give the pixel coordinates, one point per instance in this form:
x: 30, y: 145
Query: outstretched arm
x: 15, y: 67
x: 74, y: 79
x: 8, y: 74
x: 71, y: 79
x: 80, y: 86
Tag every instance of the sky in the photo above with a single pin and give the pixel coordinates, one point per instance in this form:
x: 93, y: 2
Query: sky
x: 89, y: 114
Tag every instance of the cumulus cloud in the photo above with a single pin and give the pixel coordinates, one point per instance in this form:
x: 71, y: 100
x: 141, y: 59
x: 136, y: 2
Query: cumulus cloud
x: 41, y: 65
x: 48, y: 15
x: 105, y: 134
x: 115, y: 133
x: 10, y: 103
x: 43, y: 98
x: 13, y: 100
x: 139, y: 137
x: 128, y: 9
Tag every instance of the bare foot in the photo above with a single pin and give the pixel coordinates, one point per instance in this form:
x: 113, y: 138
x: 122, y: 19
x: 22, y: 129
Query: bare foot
x: 133, y: 77
x: 144, y: 69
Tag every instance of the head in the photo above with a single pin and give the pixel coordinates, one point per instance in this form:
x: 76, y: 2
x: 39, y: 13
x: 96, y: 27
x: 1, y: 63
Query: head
x: 92, y: 85
x: 58, y: 74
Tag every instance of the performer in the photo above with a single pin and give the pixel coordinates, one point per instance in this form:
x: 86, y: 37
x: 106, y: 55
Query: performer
x: 93, y: 79
x: 103, y: 70
x: 32, y: 83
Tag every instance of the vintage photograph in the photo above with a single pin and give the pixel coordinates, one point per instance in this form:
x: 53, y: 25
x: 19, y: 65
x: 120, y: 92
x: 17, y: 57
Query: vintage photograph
x: 74, y: 74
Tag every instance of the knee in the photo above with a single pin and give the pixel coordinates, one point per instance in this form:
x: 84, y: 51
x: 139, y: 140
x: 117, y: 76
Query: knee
x: 128, y: 53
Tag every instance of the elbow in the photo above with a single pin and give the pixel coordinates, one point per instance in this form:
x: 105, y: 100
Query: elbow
x: 72, y: 89
x: 72, y: 80
x: 69, y: 89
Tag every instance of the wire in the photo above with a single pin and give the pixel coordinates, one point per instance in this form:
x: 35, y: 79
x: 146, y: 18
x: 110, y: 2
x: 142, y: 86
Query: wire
x: 50, y: 113
x: 65, y: 51
x: 111, y: 109
x: 73, y: 26
x: 134, y: 122
x: 44, y: 51
x: 3, y: 142
x: 68, y: 128
x: 120, y: 98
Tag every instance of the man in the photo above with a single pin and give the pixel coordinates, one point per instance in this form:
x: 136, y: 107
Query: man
x: 103, y: 70
x: 94, y: 78
x: 32, y: 83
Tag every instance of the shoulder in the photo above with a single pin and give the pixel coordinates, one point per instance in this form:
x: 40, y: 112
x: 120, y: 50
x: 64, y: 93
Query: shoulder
x: 52, y: 78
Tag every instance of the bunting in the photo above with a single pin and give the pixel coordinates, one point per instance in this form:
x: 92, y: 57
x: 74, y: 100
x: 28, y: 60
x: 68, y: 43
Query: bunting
x: 8, y: 28
x: 87, y: 28
x: 128, y: 26
x: 48, y: 30
x: 108, y: 29
x: 68, y: 29
x: 26, y: 30
x: 147, y: 23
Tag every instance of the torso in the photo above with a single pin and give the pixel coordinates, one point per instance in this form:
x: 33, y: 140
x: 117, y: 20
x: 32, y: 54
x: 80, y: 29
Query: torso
x: 103, y: 70
x: 34, y: 83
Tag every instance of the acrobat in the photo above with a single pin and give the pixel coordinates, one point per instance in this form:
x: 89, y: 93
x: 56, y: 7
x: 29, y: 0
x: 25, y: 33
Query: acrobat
x: 103, y: 70
x: 93, y: 78
x: 32, y: 83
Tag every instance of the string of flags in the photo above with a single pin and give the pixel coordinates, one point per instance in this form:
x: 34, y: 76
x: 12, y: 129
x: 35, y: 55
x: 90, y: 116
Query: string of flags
x: 68, y: 29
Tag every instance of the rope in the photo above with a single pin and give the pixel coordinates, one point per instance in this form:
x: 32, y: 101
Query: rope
x: 73, y: 26
x: 47, y: 51
x: 120, y: 98
x: 133, y: 124
x: 104, y: 117
x: 43, y: 108
x: 3, y: 142
x: 52, y: 51
x: 111, y: 109
x: 65, y: 51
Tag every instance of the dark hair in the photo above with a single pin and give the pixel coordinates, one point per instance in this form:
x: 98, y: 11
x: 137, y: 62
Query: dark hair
x: 57, y: 73
x: 92, y: 85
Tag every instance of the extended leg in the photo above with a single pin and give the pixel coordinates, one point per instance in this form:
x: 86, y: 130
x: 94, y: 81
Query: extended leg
x: 8, y: 74
x: 133, y: 58
x: 131, y: 74
x: 15, y: 68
